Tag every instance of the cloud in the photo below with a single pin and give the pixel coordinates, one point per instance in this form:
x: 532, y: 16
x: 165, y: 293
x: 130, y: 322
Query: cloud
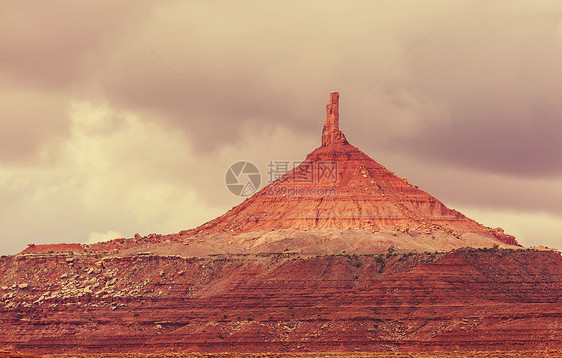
x: 498, y: 82
x: 113, y: 172
x: 31, y: 124
x: 50, y: 55
x: 56, y: 45
x: 98, y: 134
x: 96, y: 237
x: 532, y: 228
x: 117, y: 172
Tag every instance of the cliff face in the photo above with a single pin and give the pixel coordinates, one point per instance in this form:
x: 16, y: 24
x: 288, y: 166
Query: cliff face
x: 467, y: 299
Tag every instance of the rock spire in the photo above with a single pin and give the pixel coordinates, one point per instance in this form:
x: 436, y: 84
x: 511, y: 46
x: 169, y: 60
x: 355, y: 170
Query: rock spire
x: 331, y: 132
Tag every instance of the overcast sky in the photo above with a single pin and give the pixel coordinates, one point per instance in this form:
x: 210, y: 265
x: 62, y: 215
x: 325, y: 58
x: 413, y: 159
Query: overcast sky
x: 99, y: 138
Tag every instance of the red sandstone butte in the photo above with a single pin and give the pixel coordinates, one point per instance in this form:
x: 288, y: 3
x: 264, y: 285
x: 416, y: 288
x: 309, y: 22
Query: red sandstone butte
x: 367, y: 203
x: 338, y: 199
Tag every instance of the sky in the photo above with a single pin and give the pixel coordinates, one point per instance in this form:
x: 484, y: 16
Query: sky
x: 122, y: 117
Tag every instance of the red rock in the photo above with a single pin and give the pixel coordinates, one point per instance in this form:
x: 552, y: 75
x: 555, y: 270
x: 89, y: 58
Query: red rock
x: 331, y: 132
x: 53, y: 248
x: 463, y: 300
x: 338, y: 187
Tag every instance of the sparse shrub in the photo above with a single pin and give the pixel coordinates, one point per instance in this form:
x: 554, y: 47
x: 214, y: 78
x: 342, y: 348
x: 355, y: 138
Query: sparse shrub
x: 136, y: 314
x: 250, y: 319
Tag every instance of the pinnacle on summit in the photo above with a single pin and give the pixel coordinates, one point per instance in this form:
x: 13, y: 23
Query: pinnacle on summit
x: 331, y: 132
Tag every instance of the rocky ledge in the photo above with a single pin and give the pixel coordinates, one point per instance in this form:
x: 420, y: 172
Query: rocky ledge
x: 466, y: 299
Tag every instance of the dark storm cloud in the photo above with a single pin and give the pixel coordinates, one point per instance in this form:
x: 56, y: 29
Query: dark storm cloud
x: 492, y: 76
x: 50, y: 50
x: 500, y: 83
x: 30, y: 122
x: 58, y: 43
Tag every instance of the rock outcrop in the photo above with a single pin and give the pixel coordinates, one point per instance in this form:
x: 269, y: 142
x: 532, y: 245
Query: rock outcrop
x: 331, y: 133
x: 463, y: 300
x: 338, y: 187
x: 339, y: 190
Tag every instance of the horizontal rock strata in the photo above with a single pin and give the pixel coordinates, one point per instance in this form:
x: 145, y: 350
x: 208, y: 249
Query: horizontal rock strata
x: 465, y: 299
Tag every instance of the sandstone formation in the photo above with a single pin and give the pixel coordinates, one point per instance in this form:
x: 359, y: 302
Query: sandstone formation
x: 338, y: 187
x: 337, y: 200
x: 463, y: 300
x: 331, y: 133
